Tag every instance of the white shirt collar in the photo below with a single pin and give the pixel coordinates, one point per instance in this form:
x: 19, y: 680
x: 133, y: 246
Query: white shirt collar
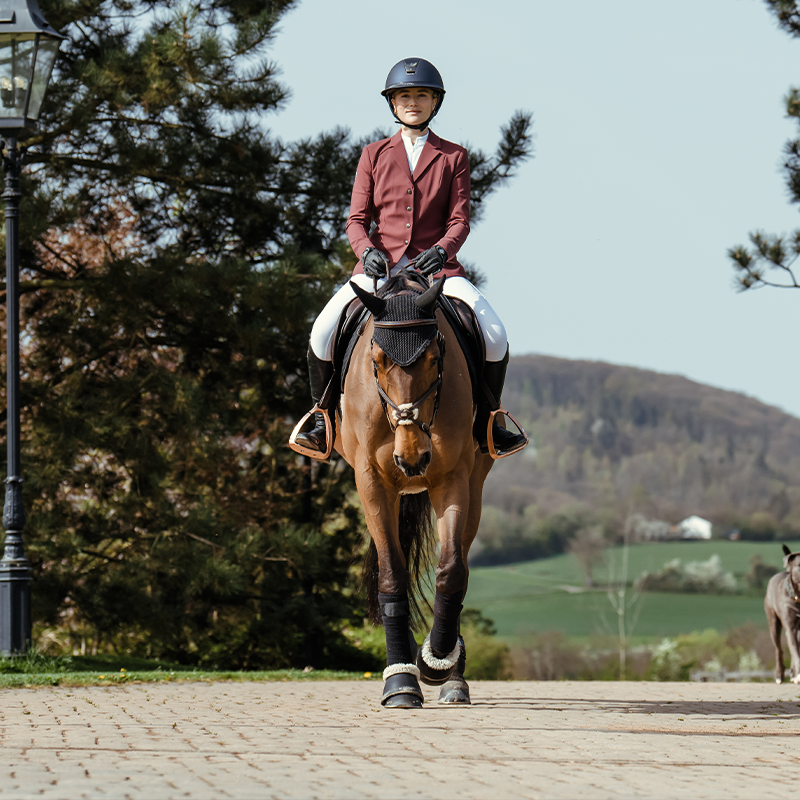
x: 414, y: 149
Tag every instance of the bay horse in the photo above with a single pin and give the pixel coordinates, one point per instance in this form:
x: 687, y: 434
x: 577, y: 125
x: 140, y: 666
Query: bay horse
x: 405, y: 425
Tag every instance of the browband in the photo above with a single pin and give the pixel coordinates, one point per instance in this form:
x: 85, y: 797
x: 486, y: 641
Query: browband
x: 406, y: 323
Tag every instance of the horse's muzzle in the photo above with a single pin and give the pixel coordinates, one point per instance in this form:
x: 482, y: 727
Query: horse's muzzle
x: 413, y: 470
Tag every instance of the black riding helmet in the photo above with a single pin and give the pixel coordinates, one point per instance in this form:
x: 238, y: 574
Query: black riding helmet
x: 417, y: 73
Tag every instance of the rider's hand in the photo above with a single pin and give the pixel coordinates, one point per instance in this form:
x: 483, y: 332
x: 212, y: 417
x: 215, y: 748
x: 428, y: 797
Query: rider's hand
x: 431, y: 261
x: 376, y: 264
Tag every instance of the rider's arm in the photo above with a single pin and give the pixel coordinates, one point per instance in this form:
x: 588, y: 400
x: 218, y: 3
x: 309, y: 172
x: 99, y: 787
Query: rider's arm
x: 360, y: 219
x: 457, y: 226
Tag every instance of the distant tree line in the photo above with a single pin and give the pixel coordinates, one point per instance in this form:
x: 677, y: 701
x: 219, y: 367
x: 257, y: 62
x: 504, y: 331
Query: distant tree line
x: 609, y: 441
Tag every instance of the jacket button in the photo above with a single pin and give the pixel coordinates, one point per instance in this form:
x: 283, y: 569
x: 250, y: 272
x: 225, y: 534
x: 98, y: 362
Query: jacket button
x: 408, y: 208
x: 408, y: 224
x: 409, y: 191
x: 406, y: 241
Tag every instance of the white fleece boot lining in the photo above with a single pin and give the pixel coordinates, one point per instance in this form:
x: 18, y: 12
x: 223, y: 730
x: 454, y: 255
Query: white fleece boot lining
x: 439, y: 663
x: 396, y: 669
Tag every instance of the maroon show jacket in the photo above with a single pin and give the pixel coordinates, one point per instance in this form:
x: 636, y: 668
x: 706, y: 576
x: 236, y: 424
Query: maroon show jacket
x: 411, y: 213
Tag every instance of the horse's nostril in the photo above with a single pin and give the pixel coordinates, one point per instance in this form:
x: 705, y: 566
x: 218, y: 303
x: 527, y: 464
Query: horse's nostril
x: 413, y: 470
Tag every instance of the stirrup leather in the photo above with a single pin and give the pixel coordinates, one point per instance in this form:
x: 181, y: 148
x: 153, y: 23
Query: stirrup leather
x: 490, y: 439
x: 307, y: 451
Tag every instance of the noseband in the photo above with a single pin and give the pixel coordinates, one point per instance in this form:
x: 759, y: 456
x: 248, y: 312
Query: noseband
x: 408, y: 413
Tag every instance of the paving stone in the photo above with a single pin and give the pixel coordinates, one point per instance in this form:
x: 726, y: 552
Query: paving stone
x: 333, y: 740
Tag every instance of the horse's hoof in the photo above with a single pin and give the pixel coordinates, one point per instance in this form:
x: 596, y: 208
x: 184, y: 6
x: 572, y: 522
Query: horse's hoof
x: 796, y: 679
x: 436, y: 671
x: 779, y: 681
x: 455, y: 692
x: 402, y: 691
x: 402, y: 701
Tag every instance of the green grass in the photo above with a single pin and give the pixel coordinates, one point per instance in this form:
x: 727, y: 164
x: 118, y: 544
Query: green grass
x: 590, y: 614
x: 37, y: 670
x: 549, y: 594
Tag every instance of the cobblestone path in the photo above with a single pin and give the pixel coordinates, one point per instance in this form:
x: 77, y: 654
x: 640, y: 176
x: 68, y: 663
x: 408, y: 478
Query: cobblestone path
x: 333, y: 740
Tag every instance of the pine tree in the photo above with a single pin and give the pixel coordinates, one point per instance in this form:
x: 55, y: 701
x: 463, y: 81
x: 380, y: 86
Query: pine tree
x: 771, y: 259
x: 174, y: 257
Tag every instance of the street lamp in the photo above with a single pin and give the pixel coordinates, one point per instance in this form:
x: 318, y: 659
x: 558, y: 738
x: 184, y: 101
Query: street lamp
x: 28, y: 49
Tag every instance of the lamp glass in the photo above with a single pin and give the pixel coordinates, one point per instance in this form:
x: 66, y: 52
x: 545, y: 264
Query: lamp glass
x: 45, y: 59
x: 17, y: 52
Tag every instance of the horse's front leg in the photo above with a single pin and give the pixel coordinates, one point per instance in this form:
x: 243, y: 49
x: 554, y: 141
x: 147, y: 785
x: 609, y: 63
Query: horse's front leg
x: 382, y: 510
x: 439, y: 656
x: 457, y: 530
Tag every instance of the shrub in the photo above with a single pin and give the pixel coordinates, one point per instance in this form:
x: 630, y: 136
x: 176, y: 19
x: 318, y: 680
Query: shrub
x: 488, y: 659
x: 700, y: 577
x: 667, y: 664
x: 758, y: 575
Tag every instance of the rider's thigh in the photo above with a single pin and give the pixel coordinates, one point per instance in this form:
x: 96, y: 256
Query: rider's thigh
x: 322, y: 332
x: 494, y: 332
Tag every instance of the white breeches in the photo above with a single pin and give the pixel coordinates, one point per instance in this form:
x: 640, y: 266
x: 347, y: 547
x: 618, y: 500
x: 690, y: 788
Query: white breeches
x: 494, y: 334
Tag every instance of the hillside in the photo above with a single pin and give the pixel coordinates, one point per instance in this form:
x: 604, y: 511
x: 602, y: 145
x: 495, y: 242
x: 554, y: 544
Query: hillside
x: 608, y: 441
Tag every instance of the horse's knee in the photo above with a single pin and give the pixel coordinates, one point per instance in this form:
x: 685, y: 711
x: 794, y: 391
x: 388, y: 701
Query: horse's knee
x: 392, y: 576
x: 451, y: 577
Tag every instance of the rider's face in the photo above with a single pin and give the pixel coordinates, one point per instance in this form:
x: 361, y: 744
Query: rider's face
x: 413, y: 106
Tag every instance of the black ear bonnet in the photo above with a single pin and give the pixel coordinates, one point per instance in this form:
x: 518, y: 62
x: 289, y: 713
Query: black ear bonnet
x: 404, y: 345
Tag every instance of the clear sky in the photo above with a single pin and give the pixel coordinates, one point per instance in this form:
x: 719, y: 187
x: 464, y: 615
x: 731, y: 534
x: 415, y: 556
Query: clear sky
x: 659, y: 134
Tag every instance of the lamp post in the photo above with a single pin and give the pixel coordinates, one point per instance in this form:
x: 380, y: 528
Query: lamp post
x: 28, y: 49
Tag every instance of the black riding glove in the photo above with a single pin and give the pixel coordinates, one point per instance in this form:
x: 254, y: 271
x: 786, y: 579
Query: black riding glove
x: 431, y: 261
x: 376, y: 264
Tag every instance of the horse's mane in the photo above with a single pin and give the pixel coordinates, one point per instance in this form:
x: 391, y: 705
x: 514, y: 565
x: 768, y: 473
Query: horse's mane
x: 402, y: 282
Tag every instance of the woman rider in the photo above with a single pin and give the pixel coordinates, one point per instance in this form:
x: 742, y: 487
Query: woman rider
x: 415, y: 187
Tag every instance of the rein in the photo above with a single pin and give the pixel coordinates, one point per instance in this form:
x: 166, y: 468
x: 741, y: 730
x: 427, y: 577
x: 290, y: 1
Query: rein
x: 408, y: 413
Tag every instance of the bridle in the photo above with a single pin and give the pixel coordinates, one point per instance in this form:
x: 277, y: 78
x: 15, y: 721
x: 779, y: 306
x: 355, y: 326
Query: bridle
x: 791, y: 589
x: 408, y: 413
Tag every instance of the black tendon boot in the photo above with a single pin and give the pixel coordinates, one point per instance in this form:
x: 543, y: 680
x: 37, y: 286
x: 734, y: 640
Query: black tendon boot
x: 401, y: 685
x: 505, y: 442
x: 438, y: 657
x: 319, y: 375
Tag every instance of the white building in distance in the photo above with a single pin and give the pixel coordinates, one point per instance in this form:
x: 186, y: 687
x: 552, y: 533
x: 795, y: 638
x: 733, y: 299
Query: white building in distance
x: 694, y: 528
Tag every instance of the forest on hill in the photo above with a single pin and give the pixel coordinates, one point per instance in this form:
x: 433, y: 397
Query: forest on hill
x: 609, y: 442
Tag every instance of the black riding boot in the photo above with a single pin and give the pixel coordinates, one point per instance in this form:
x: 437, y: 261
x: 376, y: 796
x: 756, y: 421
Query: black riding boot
x: 505, y: 442
x: 319, y: 375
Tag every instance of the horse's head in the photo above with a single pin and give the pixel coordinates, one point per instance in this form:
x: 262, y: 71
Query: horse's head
x: 407, y: 356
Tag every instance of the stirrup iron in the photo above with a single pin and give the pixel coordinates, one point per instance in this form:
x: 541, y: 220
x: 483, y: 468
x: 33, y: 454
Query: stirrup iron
x: 490, y: 439
x: 307, y: 451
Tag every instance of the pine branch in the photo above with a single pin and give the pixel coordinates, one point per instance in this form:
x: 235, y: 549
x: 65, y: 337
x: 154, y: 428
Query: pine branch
x: 788, y: 15
x: 769, y: 252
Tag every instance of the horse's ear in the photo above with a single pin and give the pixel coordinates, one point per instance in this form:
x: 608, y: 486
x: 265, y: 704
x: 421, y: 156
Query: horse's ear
x: 428, y: 300
x: 375, y: 305
x: 786, y: 550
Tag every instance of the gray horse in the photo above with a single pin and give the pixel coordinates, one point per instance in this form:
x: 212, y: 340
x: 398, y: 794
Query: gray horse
x: 782, y: 605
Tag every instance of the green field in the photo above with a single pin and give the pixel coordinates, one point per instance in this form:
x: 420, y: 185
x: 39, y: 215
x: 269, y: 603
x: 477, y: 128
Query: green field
x: 549, y: 594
